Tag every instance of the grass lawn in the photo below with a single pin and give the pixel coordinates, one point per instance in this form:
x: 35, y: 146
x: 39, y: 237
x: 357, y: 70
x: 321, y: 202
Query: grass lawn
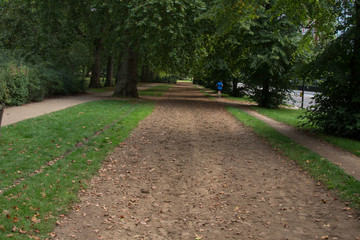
x: 101, y: 90
x: 185, y: 80
x: 240, y: 99
x: 45, y: 161
x: 334, y: 177
x: 155, y: 91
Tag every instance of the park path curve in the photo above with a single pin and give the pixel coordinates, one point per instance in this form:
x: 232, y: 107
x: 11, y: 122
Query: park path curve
x: 190, y: 170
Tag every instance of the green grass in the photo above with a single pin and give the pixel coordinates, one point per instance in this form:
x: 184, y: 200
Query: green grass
x: 347, y: 144
x: 288, y: 116
x: 321, y: 169
x: 207, y: 92
x: 291, y: 117
x: 101, y: 90
x: 35, y: 203
x: 185, y: 80
x: 240, y: 99
x: 155, y: 91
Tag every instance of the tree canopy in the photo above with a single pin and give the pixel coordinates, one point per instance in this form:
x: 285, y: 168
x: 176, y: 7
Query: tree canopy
x: 259, y: 48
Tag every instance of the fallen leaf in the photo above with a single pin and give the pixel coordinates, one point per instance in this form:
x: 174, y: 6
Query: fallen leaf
x: 35, y: 220
x: 15, y: 220
x: 198, y: 237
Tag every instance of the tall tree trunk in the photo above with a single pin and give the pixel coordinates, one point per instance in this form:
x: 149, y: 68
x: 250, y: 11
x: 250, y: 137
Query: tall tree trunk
x: 109, y: 72
x: 265, y: 92
x: 355, y: 60
x: 126, y: 84
x: 118, y: 72
x: 96, y: 68
x: 234, y: 87
x: 146, y: 74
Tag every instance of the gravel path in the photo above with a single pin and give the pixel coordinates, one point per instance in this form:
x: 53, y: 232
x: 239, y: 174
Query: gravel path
x: 191, y: 171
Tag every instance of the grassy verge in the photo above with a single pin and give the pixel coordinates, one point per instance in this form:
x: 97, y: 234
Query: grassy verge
x: 291, y: 117
x: 64, y: 149
x: 207, y: 92
x: 239, y: 99
x: 155, y: 91
x: 101, y: 90
x: 185, y: 80
x: 322, y: 170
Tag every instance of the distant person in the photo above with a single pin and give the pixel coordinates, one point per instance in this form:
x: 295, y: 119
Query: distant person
x: 219, y: 86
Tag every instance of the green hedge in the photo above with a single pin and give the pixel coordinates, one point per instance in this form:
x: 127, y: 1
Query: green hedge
x: 22, y: 82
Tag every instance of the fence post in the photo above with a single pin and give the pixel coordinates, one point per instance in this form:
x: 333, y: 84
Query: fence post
x: 2, y: 107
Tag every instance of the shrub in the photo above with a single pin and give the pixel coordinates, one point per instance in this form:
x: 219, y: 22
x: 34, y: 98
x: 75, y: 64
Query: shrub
x: 15, y: 79
x: 22, y: 82
x: 336, y: 111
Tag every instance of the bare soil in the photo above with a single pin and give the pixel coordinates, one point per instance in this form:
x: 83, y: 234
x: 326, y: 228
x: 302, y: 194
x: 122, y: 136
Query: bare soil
x: 192, y: 171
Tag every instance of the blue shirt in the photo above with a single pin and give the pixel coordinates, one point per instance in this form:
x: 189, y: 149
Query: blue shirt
x: 219, y: 85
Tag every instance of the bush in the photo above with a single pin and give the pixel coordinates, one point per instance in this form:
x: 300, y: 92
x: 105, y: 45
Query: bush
x: 23, y: 82
x: 336, y: 111
x: 14, y: 81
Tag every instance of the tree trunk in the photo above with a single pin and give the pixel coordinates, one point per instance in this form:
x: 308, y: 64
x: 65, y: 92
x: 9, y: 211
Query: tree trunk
x: 355, y: 60
x: 96, y: 68
x: 146, y: 74
x: 118, y: 72
x: 126, y: 84
x: 234, y: 87
x: 265, y: 92
x: 109, y: 72
x: 2, y: 108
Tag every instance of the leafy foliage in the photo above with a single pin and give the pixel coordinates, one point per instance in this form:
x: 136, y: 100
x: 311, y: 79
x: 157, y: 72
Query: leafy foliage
x: 338, y: 104
x: 41, y: 42
x: 252, y: 47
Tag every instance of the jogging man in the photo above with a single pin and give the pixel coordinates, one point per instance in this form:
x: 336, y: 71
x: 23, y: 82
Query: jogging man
x: 219, y: 87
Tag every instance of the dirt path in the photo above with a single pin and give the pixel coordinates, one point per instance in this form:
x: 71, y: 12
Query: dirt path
x: 191, y: 171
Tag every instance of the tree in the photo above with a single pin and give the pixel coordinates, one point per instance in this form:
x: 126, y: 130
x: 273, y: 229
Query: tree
x: 258, y: 48
x: 161, y: 31
x: 42, y: 40
x: 109, y: 72
x: 337, y: 67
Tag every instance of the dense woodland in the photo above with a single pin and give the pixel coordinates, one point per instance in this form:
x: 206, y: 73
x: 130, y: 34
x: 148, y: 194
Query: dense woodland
x: 259, y: 48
